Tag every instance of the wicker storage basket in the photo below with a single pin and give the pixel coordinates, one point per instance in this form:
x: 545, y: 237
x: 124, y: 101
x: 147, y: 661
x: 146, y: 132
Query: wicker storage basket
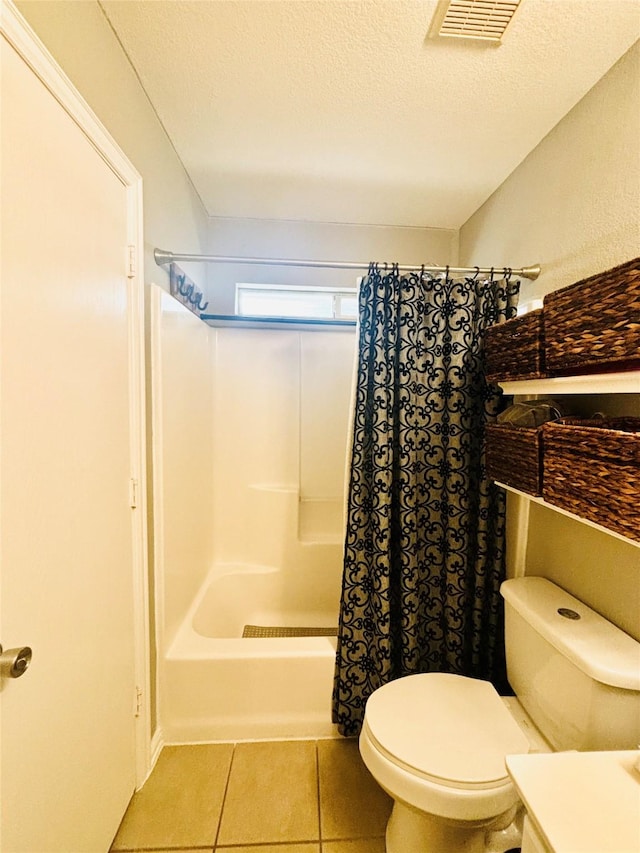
x: 515, y: 349
x: 595, y: 321
x: 513, y: 456
x: 592, y: 469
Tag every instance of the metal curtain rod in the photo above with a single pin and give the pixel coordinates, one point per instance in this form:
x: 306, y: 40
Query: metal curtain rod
x: 162, y: 257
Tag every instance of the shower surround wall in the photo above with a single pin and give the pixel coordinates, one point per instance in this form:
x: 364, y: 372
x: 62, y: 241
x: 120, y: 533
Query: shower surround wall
x: 250, y: 431
x: 281, y: 422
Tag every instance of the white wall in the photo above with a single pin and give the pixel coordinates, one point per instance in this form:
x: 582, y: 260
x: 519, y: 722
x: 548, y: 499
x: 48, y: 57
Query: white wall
x: 573, y: 206
x: 84, y: 45
x: 265, y: 238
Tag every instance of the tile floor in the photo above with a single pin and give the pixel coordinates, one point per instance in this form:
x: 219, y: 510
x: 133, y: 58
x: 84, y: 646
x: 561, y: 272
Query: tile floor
x: 268, y: 797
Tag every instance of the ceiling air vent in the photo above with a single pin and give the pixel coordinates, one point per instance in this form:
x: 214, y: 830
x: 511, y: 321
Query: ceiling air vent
x: 485, y: 20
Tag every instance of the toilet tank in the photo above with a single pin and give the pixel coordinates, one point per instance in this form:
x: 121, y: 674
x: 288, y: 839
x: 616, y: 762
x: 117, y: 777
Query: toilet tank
x: 576, y: 674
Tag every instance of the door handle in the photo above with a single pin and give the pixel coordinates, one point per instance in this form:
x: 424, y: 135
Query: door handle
x: 15, y: 662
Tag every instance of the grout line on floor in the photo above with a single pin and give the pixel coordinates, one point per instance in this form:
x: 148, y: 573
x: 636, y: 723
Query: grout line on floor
x: 318, y: 794
x: 207, y: 848
x: 257, y: 845
x: 224, y: 797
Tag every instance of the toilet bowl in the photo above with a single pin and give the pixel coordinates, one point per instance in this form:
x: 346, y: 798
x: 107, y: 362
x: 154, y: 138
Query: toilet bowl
x: 436, y: 744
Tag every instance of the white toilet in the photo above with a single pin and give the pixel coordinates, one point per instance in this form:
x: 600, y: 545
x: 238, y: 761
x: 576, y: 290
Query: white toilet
x: 437, y: 742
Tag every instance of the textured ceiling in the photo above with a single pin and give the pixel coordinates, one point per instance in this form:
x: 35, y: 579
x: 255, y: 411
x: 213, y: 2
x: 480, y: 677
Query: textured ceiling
x: 346, y: 111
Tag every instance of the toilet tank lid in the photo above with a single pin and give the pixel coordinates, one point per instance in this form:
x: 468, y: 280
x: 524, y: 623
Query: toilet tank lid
x: 601, y: 650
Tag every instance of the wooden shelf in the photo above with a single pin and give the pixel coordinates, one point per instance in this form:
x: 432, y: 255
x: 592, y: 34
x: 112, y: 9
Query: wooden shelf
x: 623, y: 382
x: 627, y: 382
x: 542, y: 502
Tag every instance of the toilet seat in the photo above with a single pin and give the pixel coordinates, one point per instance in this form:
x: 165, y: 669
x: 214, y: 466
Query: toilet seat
x: 449, y: 730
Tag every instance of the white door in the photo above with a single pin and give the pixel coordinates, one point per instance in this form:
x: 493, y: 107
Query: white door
x: 67, y: 743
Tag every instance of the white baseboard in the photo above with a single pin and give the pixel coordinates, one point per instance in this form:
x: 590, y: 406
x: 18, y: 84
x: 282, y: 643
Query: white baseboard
x: 155, y: 748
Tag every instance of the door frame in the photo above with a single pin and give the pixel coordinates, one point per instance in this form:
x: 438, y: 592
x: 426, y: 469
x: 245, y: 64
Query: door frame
x: 23, y: 39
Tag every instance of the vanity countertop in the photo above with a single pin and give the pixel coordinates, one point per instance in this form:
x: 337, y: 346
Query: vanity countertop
x: 582, y: 802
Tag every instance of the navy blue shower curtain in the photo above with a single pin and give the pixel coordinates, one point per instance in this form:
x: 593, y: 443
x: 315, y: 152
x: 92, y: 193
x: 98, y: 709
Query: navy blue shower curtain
x: 424, y: 545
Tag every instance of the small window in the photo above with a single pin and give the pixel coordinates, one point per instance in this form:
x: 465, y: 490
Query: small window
x: 309, y: 303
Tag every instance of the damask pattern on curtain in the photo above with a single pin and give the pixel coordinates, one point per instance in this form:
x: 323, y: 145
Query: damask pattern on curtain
x: 424, y: 544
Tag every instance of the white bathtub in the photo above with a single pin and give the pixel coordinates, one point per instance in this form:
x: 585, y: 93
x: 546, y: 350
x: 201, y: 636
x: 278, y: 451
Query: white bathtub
x: 219, y: 686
